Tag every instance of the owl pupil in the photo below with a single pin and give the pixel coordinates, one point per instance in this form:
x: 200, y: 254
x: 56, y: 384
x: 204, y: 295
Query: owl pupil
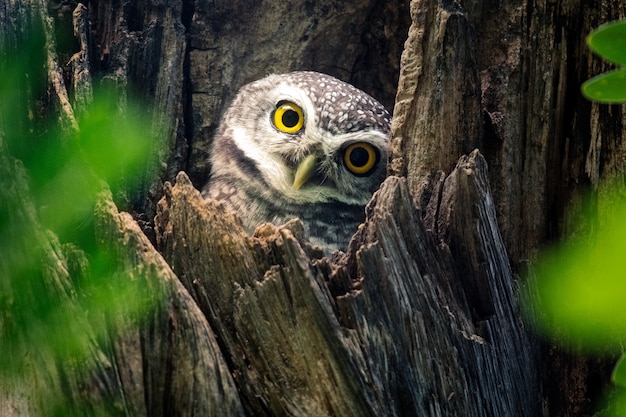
x: 359, y: 157
x: 290, y: 118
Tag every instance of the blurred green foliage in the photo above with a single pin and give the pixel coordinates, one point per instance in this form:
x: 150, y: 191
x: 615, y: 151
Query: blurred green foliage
x: 62, y: 290
x: 578, y: 293
x: 582, y: 283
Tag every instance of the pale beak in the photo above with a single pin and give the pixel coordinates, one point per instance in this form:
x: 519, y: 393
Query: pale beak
x: 305, y: 170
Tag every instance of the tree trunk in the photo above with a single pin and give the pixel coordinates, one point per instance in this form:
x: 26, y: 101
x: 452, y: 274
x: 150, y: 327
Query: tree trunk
x: 491, y: 141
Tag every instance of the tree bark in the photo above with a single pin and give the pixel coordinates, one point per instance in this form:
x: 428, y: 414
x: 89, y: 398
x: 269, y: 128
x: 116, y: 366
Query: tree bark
x: 419, y: 316
x: 384, y: 330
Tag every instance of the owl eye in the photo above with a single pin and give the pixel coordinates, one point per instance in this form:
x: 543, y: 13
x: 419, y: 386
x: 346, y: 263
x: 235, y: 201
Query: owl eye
x: 360, y: 158
x: 288, y: 117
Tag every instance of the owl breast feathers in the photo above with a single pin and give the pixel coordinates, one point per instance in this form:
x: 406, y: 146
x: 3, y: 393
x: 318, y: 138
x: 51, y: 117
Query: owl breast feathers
x: 304, y: 145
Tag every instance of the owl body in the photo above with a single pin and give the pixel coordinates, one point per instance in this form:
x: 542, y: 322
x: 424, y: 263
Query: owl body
x: 304, y: 145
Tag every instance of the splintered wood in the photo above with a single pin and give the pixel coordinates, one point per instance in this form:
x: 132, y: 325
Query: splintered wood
x: 411, y: 331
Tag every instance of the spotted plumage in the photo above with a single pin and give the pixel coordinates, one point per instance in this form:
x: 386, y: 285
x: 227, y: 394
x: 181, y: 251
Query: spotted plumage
x: 304, y: 145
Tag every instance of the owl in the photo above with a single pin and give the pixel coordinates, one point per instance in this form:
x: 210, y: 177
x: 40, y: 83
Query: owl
x: 303, y: 145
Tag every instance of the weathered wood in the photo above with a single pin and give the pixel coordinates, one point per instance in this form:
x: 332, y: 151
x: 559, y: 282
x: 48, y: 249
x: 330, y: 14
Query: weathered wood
x: 540, y: 137
x: 172, y: 364
x: 508, y: 84
x: 263, y: 298
x: 81, y: 65
x: 438, y: 93
x: 137, y: 50
x: 418, y: 339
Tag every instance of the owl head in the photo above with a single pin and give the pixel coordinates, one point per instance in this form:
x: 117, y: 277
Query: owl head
x: 304, y: 137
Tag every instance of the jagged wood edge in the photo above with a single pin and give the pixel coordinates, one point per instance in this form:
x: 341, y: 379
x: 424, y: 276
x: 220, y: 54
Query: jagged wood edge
x: 410, y: 336
x: 169, y: 361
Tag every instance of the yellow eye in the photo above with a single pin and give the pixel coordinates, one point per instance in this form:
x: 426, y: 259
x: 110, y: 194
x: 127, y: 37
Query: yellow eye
x: 288, y: 117
x: 360, y: 158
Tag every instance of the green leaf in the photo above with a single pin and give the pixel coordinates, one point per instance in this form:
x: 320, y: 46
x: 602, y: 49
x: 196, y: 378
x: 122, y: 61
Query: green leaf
x: 609, y: 41
x: 619, y: 373
x: 609, y: 87
x: 581, y: 285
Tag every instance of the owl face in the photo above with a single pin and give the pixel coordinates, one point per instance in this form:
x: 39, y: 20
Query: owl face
x: 308, y: 137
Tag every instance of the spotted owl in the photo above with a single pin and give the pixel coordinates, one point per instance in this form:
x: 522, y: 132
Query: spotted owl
x: 304, y: 145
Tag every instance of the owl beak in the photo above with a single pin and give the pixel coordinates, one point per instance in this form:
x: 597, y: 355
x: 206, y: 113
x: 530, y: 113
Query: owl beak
x: 305, y: 170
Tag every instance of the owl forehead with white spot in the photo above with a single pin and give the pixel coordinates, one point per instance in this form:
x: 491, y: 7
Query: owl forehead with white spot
x: 342, y: 107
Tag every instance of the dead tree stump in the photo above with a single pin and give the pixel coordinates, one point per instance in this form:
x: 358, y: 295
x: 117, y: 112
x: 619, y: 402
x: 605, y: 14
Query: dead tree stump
x: 396, y: 326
